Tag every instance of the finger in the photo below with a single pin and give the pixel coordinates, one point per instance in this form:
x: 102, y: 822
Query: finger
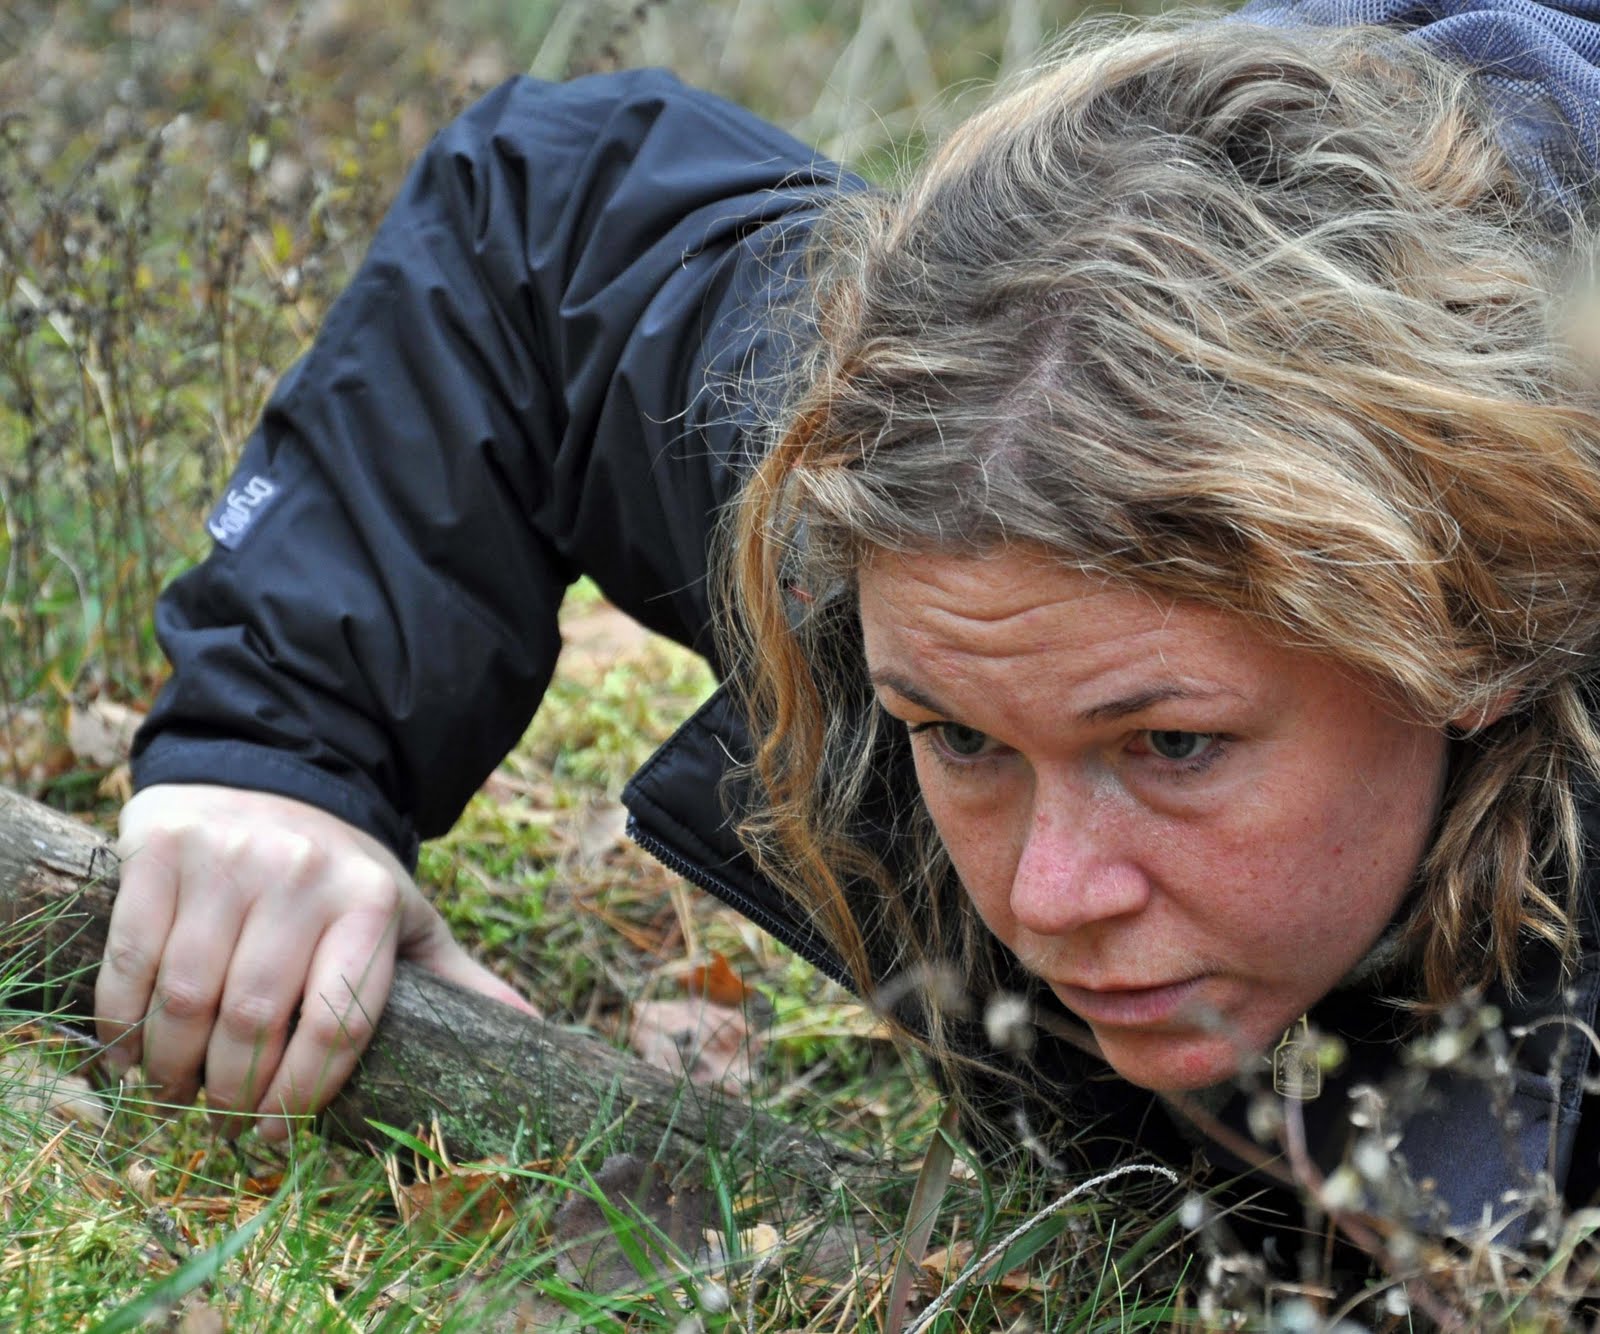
x: 141, y: 919
x: 264, y: 984
x: 205, y: 929
x: 351, y: 972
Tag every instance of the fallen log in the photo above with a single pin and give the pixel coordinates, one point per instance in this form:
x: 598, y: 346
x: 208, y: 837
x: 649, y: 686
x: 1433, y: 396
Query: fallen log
x: 496, y: 1081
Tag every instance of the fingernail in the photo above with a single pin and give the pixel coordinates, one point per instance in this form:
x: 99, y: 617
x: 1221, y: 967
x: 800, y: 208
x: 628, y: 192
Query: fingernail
x: 115, y: 1062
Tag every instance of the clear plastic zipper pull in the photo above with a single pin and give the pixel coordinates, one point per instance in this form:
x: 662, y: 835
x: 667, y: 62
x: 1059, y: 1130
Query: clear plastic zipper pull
x: 1296, y: 1072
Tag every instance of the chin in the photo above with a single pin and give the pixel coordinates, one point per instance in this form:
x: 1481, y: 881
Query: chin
x: 1172, y: 1062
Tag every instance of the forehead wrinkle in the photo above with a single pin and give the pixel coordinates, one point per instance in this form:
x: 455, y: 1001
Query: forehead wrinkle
x: 980, y: 613
x: 966, y: 593
x: 1111, y: 710
x: 941, y: 631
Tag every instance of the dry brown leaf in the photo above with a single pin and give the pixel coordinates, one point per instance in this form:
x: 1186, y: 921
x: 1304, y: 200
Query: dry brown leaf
x: 141, y: 1178
x: 100, y: 733
x: 470, y: 1200
x: 717, y: 982
x: 712, y: 1044
x: 760, y: 1246
x: 265, y: 1187
x: 30, y: 1083
x: 760, y: 1241
x: 461, y: 1202
x: 948, y: 1261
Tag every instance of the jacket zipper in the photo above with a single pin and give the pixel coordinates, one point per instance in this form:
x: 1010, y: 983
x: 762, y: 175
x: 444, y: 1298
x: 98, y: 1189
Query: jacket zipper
x: 736, y: 899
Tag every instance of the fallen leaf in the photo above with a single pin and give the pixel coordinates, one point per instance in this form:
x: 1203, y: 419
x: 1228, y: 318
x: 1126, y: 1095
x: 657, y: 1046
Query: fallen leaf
x: 30, y: 1083
x: 717, y: 982
x: 469, y: 1200
x: 760, y: 1250
x: 948, y: 1261
x: 265, y: 1187
x: 591, y: 1256
x: 760, y: 1241
x: 711, y: 1044
x: 141, y: 1178
x: 100, y: 733
x: 462, y: 1202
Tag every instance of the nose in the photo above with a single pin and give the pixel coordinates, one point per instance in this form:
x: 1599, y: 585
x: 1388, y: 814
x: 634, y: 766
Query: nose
x: 1079, y: 865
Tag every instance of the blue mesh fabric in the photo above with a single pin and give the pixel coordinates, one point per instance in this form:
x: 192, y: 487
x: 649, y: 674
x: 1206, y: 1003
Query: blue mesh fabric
x: 1536, y: 64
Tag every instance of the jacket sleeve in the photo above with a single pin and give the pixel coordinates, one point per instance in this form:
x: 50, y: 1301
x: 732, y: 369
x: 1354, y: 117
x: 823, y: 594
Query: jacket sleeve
x: 525, y: 381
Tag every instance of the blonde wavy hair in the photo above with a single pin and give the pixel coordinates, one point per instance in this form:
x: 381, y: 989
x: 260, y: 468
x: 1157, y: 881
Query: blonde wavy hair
x: 1258, y: 319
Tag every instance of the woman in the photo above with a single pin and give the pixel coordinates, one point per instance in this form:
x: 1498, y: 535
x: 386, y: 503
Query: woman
x: 1206, y: 491
x: 1168, y: 593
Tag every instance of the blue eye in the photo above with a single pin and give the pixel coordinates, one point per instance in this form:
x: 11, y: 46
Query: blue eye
x: 965, y: 742
x: 1180, y: 746
x: 954, y: 743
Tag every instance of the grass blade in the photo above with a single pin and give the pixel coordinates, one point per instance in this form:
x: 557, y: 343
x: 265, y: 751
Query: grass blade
x: 192, y: 1273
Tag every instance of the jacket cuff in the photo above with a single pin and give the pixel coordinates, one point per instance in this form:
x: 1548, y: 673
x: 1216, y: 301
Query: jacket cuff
x: 255, y: 768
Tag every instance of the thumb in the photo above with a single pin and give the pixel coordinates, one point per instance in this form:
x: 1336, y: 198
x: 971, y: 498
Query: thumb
x: 425, y: 940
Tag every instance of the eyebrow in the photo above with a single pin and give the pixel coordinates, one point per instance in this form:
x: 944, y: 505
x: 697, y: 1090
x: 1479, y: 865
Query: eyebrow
x: 1138, y: 702
x: 1109, y: 711
x: 907, y: 689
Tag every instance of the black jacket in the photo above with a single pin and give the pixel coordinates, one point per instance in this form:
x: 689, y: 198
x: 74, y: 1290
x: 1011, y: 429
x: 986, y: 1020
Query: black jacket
x: 527, y: 379
x: 544, y: 368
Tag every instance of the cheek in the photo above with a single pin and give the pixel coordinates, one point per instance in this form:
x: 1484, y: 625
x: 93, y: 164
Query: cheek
x: 982, y: 832
x: 1327, y: 865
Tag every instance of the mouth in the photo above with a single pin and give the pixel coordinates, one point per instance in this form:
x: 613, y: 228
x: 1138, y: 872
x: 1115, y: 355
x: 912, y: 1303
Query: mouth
x: 1132, y: 1007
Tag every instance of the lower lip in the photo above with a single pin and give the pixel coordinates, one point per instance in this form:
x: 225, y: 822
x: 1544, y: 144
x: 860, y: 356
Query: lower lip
x: 1136, y: 1007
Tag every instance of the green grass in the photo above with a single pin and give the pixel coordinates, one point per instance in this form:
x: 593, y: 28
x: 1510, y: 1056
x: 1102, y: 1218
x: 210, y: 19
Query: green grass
x: 183, y: 188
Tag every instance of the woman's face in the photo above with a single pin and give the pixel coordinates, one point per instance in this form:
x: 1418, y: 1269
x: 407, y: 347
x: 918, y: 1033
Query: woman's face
x: 1189, y: 832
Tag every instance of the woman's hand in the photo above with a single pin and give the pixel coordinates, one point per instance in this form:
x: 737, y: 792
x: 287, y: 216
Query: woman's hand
x: 252, y: 946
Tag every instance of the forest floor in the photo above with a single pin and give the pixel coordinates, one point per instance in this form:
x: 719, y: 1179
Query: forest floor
x: 184, y: 186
